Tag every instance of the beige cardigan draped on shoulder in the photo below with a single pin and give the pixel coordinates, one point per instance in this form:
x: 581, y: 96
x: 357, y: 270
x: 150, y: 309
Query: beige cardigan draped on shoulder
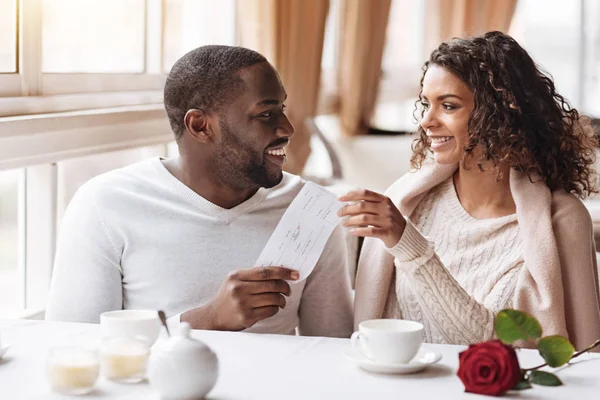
x: 559, y: 284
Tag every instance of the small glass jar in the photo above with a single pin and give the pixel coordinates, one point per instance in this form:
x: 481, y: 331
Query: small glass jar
x: 124, y: 359
x: 72, y: 370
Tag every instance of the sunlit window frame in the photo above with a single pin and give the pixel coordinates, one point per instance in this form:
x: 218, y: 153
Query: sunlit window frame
x: 30, y: 91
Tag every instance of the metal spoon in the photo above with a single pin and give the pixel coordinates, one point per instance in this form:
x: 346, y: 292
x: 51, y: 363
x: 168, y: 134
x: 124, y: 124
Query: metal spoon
x: 163, y: 319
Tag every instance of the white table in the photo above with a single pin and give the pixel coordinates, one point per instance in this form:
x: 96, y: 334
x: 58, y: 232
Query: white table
x: 270, y: 367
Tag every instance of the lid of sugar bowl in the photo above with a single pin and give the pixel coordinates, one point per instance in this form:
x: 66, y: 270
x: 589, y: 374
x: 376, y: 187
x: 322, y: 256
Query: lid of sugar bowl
x: 182, y: 345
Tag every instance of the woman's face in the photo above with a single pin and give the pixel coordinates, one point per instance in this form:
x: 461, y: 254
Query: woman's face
x: 448, y: 103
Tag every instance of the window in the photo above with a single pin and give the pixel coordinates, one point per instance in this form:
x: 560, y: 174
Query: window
x: 193, y: 23
x: 122, y: 48
x: 331, y: 39
x: 8, y: 36
x: 553, y: 39
x: 10, y: 84
x: 92, y: 36
x: 99, y: 46
x: 564, y: 40
x: 404, y: 51
x: 11, y: 230
x: 329, y: 60
x: 591, y: 53
x: 403, y: 58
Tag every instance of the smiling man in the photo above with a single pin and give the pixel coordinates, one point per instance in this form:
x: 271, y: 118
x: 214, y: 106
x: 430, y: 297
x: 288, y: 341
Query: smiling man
x: 182, y: 234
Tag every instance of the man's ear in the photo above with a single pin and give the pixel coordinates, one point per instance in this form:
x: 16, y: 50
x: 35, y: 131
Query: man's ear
x: 197, y: 124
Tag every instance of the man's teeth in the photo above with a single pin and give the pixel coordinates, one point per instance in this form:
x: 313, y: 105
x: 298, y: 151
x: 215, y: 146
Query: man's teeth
x: 441, y: 139
x: 277, y: 152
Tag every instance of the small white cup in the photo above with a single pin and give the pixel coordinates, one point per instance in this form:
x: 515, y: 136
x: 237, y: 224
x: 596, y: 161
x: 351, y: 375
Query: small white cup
x: 124, y: 359
x: 388, y: 341
x: 72, y: 370
x: 131, y: 324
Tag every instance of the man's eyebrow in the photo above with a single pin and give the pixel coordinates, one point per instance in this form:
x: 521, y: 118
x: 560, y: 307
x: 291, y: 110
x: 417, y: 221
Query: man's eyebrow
x: 271, y: 102
x: 268, y: 102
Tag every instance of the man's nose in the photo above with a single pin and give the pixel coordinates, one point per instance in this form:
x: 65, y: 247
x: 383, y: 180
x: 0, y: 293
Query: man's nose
x: 285, y: 128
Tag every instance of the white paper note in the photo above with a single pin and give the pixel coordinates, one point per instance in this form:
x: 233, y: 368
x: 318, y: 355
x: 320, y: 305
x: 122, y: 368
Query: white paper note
x: 302, y: 232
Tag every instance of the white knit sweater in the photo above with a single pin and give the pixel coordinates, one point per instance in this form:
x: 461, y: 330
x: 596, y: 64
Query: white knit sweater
x: 454, y: 272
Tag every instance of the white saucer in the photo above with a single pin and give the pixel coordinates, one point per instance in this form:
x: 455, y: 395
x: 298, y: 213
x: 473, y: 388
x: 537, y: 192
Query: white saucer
x: 3, y: 350
x: 424, y: 358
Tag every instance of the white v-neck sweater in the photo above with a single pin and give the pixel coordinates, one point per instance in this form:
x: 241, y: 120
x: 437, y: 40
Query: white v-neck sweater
x: 138, y: 238
x: 472, y: 274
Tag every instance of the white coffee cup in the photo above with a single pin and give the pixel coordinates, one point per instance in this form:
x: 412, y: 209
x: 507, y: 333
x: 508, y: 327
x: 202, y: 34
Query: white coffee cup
x: 388, y: 341
x: 132, y: 324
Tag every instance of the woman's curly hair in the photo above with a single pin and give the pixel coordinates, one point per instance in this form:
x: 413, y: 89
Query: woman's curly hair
x: 519, y: 119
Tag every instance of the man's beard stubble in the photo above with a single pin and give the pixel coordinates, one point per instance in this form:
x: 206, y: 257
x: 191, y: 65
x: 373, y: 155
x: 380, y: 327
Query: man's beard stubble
x: 238, y: 164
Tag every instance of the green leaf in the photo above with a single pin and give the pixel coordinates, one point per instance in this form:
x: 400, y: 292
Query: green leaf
x: 522, y: 385
x: 545, y: 378
x: 556, y: 350
x: 513, y: 325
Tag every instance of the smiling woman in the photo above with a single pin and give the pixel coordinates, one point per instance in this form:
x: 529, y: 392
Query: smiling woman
x: 493, y: 218
x: 518, y: 120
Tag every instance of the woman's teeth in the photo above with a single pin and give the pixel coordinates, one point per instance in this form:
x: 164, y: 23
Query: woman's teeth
x: 440, y: 139
x: 277, y: 152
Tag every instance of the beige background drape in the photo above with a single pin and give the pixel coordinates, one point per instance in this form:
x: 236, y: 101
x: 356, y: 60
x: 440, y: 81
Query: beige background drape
x: 290, y: 34
x: 450, y: 18
x: 363, y: 27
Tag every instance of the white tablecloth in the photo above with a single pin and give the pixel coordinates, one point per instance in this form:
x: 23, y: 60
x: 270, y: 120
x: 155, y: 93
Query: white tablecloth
x: 263, y: 367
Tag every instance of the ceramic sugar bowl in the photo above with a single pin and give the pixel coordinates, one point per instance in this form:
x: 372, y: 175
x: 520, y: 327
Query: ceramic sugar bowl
x: 182, y: 368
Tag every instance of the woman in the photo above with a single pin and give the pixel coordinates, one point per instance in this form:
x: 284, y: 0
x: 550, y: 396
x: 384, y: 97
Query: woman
x: 493, y: 220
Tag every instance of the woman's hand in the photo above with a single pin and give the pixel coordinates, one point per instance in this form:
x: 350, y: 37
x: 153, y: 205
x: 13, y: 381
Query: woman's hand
x: 374, y: 215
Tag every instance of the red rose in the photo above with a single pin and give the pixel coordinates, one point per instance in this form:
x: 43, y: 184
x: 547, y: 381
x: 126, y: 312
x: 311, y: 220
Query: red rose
x: 489, y: 368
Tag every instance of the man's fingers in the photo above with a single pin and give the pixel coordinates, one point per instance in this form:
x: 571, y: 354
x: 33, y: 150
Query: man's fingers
x: 266, y: 300
x: 272, y: 286
x: 266, y: 274
x: 362, y: 194
x: 264, y: 312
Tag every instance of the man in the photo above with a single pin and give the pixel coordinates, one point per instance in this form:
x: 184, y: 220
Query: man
x: 182, y: 234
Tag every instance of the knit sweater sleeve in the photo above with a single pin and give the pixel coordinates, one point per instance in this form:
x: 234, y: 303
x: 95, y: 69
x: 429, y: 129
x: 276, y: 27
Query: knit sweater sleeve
x: 86, y: 280
x: 445, y: 304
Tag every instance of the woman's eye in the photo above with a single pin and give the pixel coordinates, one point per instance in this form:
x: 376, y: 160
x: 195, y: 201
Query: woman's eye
x: 424, y: 105
x: 449, y: 107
